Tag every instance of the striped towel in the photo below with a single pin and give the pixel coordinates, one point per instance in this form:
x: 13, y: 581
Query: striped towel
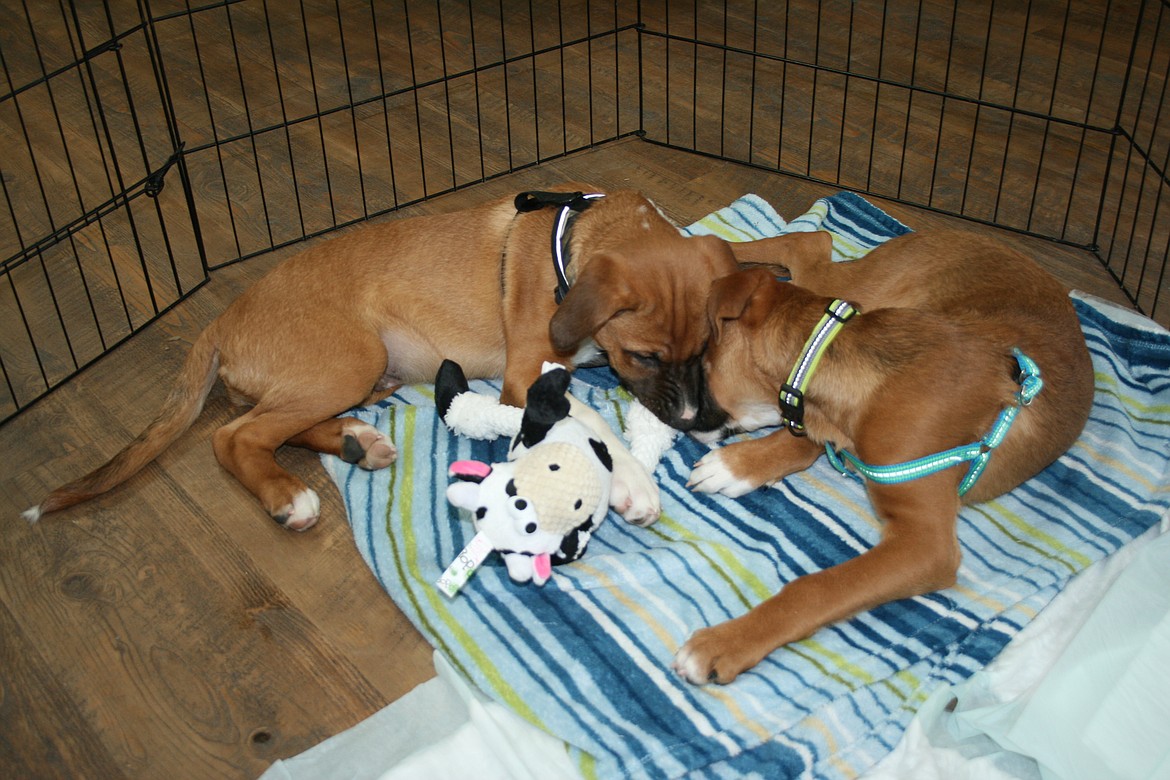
x: 587, y: 656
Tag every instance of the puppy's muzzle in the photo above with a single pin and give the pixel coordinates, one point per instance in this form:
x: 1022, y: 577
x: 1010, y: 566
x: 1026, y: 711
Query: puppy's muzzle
x: 677, y: 394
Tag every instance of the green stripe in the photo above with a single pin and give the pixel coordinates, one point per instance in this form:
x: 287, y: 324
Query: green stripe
x: 404, y: 466
x: 749, y: 233
x: 1056, y: 552
x: 807, y: 648
x: 919, y: 692
x: 413, y: 571
x: 586, y: 765
x: 1155, y: 414
x: 720, y: 226
x: 727, y: 560
x: 618, y: 400
x: 851, y: 676
x: 848, y: 249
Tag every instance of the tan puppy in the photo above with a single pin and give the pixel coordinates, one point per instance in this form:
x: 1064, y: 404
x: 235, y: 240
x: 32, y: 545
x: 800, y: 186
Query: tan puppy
x: 926, y: 366
x: 347, y: 321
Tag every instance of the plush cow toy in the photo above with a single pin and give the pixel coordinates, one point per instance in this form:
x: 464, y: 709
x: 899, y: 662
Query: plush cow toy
x: 540, y: 507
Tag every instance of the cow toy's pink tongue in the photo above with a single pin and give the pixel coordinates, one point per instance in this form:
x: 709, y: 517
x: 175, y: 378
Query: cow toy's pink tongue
x: 542, y: 565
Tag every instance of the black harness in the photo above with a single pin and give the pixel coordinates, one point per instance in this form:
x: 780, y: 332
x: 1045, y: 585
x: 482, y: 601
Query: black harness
x: 569, y: 206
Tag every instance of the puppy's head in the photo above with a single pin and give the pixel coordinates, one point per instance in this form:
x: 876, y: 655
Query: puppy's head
x: 736, y: 377
x: 644, y: 304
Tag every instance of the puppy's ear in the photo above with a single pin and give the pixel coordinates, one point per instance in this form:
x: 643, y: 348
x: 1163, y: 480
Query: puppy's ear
x: 731, y: 297
x: 598, y: 294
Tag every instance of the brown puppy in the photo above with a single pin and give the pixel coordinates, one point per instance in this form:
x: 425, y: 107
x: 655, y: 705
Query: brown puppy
x: 347, y: 321
x: 927, y: 366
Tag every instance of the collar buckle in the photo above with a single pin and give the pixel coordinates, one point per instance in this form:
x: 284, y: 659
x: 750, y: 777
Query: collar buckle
x: 792, y: 409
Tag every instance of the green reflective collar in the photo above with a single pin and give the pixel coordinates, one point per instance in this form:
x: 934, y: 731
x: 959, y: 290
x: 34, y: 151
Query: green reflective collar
x: 792, y: 392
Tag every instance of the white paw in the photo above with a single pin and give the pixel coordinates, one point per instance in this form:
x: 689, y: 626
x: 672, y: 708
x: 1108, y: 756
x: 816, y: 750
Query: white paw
x: 690, y: 667
x: 634, y: 494
x: 302, y: 513
x: 709, y: 437
x: 711, y: 475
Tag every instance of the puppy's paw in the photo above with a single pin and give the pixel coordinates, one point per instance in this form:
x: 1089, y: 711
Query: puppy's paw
x: 713, y: 474
x: 364, y: 445
x: 634, y: 494
x: 301, y: 513
x: 714, y: 655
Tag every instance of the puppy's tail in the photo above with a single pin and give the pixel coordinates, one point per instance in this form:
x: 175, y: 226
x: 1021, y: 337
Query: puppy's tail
x: 178, y: 413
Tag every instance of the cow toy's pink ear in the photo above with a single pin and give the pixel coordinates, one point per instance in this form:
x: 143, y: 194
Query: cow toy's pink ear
x: 469, y: 470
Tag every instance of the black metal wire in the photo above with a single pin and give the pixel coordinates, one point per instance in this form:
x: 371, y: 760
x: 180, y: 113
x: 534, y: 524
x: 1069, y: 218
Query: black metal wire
x: 1130, y: 211
x: 385, y: 104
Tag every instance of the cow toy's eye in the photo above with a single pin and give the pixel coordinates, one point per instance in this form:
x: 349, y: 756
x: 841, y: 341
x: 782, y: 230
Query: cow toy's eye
x: 530, y: 528
x: 521, y: 504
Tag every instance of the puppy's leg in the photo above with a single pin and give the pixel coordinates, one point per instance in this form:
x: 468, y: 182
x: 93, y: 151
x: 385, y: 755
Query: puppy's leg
x: 524, y: 362
x: 634, y: 494
x: 918, y: 553
x: 740, y: 468
x: 300, y: 376
x: 351, y: 440
x: 791, y: 251
x: 246, y: 447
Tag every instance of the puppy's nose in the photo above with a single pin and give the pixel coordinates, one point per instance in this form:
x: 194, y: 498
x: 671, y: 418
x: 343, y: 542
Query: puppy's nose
x: 688, y: 413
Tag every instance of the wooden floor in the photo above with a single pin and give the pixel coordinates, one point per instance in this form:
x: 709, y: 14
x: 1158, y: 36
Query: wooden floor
x: 170, y: 629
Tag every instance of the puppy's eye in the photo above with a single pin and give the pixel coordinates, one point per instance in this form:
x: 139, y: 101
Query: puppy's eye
x: 647, y: 359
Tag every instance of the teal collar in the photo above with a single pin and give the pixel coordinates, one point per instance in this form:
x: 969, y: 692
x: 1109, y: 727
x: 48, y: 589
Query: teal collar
x: 977, y: 453
x: 792, y: 392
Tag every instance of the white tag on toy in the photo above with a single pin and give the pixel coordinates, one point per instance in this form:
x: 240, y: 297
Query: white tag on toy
x: 465, y: 564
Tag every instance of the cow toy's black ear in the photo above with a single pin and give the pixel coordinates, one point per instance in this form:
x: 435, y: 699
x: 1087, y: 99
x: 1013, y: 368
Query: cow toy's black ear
x: 546, y: 406
x: 548, y: 393
x: 450, y: 381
